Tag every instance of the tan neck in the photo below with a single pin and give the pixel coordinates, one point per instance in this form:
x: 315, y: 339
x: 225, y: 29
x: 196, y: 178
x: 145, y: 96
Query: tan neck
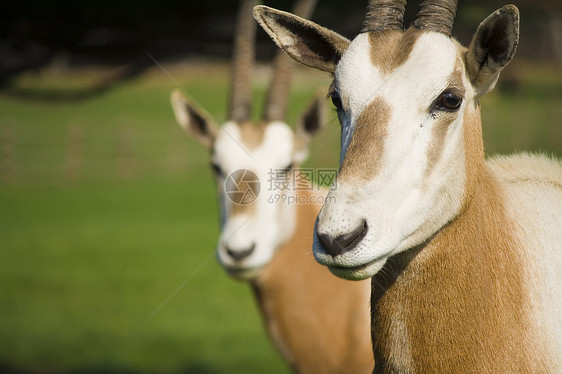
x: 457, y: 303
x: 320, y: 323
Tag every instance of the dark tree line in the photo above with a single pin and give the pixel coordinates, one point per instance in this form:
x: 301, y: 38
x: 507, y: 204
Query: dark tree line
x: 121, y: 32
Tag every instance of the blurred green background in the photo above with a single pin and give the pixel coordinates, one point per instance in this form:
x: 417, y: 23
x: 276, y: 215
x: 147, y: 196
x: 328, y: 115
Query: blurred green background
x: 108, y: 218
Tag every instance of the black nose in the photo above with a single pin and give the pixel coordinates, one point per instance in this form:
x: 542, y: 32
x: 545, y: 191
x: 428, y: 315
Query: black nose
x: 240, y: 254
x: 345, y: 242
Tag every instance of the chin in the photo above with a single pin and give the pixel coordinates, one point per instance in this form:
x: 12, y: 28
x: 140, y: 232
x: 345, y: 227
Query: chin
x: 360, y: 272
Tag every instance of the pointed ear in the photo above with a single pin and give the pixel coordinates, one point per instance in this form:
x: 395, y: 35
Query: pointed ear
x: 492, y: 48
x: 303, y: 40
x: 309, y: 124
x: 194, y: 121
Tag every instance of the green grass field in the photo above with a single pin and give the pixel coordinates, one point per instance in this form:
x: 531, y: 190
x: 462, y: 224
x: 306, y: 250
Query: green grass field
x: 108, y: 223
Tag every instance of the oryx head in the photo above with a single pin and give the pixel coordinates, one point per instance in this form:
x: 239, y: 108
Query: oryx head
x: 247, y: 155
x: 411, y: 144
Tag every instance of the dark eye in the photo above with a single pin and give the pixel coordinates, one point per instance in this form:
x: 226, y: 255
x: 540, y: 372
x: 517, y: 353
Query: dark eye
x: 336, y: 100
x: 447, y: 101
x: 216, y: 168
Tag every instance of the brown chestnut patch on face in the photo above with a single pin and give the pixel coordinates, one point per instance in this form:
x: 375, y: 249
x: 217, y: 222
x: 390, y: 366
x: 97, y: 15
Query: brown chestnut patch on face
x: 391, y: 48
x: 251, y: 134
x: 365, y: 152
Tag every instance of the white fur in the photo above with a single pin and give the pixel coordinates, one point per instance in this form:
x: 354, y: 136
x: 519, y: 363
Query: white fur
x: 240, y: 231
x: 356, y: 90
x: 399, y: 205
x: 524, y: 178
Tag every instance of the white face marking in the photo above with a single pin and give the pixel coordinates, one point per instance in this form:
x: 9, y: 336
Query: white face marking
x: 356, y: 90
x: 264, y: 225
x: 401, y: 204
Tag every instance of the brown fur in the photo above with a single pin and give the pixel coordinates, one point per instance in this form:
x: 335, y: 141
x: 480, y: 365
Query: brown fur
x: 390, y: 49
x: 461, y: 298
x: 251, y: 134
x: 319, y: 322
x: 366, y: 150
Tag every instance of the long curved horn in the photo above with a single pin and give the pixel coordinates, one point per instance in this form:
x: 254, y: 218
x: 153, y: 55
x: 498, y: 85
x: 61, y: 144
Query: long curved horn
x: 278, y: 92
x: 436, y: 15
x: 384, y: 15
x: 244, y: 49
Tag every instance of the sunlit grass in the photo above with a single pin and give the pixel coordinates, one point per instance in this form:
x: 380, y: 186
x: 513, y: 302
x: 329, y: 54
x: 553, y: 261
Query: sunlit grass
x: 87, y: 258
